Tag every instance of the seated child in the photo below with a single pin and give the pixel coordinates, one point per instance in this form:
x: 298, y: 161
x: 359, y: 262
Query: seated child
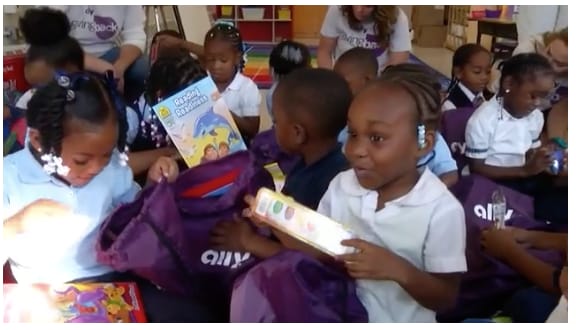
x: 224, y: 51
x: 59, y: 189
x: 503, y: 135
x: 359, y: 66
x: 51, y: 51
x: 406, y: 269
x: 471, y: 70
x: 533, y: 304
x: 169, y: 40
x: 286, y: 57
x: 169, y: 74
x: 310, y: 107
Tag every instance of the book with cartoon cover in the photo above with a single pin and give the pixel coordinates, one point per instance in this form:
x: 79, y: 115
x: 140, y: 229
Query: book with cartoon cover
x: 73, y: 303
x: 200, y: 123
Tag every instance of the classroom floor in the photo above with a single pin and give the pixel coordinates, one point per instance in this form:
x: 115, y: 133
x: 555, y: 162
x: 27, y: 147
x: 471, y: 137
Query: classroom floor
x: 438, y: 58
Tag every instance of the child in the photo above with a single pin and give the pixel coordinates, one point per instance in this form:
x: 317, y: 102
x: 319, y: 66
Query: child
x: 223, y: 51
x: 169, y: 40
x: 286, y: 57
x: 223, y: 149
x: 471, y: 69
x: 536, y: 302
x: 59, y: 189
x: 406, y: 269
x: 358, y: 66
x: 52, y: 50
x: 503, y: 135
x: 170, y: 73
x: 310, y: 107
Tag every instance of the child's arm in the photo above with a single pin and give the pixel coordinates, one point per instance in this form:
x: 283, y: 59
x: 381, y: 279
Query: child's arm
x: 541, y: 240
x: 141, y: 161
x: 248, y: 126
x: 442, y: 163
x: 501, y: 244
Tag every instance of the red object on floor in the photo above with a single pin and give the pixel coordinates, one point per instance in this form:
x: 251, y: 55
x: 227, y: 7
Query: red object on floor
x: 14, y: 72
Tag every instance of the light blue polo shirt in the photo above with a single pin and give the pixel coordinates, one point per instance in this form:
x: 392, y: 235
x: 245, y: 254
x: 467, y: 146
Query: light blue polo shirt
x: 35, y: 258
x: 439, y: 160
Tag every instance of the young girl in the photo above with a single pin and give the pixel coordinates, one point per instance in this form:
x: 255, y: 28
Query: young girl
x: 471, y: 69
x: 223, y: 51
x: 60, y: 188
x: 170, y: 73
x: 404, y: 266
x: 51, y: 51
x: 286, y: 57
x: 503, y: 135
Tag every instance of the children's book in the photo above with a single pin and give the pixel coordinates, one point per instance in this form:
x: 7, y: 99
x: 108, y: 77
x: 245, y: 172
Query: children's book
x: 200, y: 123
x: 302, y: 223
x: 73, y: 303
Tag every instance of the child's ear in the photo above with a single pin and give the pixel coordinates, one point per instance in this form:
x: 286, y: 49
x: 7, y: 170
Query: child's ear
x: 430, y: 141
x: 507, y: 83
x: 300, y: 134
x: 34, y: 136
x: 458, y: 73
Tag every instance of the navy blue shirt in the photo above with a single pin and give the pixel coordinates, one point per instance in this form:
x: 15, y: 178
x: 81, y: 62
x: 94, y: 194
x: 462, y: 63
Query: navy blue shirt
x: 307, y: 184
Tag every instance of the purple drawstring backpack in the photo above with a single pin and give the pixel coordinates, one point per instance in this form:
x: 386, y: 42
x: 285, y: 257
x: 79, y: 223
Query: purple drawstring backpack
x: 266, y: 149
x: 164, y: 235
x: 293, y: 287
x: 453, y: 129
x: 488, y: 280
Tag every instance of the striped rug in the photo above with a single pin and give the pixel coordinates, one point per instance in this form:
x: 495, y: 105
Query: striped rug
x: 257, y: 65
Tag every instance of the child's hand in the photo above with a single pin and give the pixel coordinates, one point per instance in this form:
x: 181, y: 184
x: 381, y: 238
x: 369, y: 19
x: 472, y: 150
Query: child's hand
x: 539, y: 161
x: 499, y: 243
x: 519, y: 234
x: 233, y: 235
x: 164, y: 167
x: 372, y: 262
x: 247, y: 212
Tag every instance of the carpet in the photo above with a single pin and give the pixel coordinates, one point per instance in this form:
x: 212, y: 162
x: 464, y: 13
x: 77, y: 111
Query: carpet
x: 256, y: 66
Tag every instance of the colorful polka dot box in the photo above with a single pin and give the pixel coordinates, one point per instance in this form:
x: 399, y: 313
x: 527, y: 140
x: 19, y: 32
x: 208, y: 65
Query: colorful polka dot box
x: 302, y: 223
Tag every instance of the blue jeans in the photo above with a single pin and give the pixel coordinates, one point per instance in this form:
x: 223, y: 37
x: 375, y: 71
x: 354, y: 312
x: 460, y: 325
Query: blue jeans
x: 134, y: 77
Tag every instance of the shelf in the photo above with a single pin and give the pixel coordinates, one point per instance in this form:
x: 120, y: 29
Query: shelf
x: 261, y: 20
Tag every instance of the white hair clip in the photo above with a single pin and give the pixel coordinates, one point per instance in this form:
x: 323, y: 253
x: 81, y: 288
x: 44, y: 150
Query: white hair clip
x: 124, y: 157
x: 292, y: 54
x: 54, y: 164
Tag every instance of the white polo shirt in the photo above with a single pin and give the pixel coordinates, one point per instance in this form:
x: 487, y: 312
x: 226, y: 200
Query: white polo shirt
x: 243, y: 97
x: 426, y: 227
x: 502, y: 140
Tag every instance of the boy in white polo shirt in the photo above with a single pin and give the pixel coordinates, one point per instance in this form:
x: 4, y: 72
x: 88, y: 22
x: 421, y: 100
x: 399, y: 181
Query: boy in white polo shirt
x: 503, y: 135
x: 405, y: 265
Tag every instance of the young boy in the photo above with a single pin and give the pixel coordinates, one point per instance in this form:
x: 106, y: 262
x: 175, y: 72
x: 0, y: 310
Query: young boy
x: 359, y: 66
x: 310, y: 108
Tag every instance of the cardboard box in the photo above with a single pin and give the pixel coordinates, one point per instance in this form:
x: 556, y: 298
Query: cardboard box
x: 427, y: 15
x: 430, y: 36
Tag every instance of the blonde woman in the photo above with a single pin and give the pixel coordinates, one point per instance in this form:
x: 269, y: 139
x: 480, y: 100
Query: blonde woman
x: 384, y: 29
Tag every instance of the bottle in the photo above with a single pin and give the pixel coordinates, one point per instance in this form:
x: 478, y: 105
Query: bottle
x: 499, y: 208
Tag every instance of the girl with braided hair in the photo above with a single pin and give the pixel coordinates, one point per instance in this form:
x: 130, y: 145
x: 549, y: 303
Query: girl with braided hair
x: 224, y: 56
x: 61, y: 187
x: 404, y: 267
x: 383, y: 29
